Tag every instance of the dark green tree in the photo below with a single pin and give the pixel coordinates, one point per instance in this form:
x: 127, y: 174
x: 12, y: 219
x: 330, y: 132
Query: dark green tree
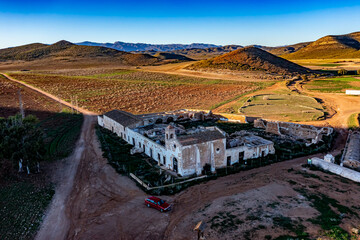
x: 21, y: 142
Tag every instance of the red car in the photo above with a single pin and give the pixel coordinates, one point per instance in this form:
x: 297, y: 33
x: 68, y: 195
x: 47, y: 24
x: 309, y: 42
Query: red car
x: 157, y: 203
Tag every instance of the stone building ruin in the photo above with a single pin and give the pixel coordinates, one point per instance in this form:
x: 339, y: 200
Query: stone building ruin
x: 296, y: 131
x: 185, y: 151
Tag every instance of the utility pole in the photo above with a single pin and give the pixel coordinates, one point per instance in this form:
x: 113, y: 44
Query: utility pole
x: 21, y: 105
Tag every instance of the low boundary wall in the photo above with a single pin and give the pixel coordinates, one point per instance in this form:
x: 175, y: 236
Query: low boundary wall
x: 336, y: 169
x: 163, y: 186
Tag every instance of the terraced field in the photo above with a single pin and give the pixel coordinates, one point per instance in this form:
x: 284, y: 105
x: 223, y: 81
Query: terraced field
x: 136, y: 91
x: 283, y: 107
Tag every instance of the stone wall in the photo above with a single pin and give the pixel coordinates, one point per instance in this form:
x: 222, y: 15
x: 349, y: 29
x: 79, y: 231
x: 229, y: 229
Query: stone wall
x: 249, y: 152
x: 297, y: 131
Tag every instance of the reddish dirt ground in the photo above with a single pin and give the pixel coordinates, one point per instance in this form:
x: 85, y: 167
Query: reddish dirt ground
x: 33, y: 102
x: 139, y: 95
x: 92, y: 201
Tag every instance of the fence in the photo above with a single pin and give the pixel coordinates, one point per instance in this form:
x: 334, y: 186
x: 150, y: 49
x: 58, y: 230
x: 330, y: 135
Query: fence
x: 164, y: 186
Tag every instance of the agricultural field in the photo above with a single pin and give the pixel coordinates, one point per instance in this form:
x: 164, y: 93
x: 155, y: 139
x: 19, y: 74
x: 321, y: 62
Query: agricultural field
x: 61, y: 133
x: 278, y: 102
x: 283, y: 107
x: 36, y: 104
x: 334, y: 85
x: 24, y: 198
x: 331, y: 64
x: 22, y: 205
x: 136, y: 91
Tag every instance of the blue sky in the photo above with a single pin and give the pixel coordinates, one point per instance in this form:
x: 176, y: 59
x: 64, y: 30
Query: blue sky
x: 272, y: 23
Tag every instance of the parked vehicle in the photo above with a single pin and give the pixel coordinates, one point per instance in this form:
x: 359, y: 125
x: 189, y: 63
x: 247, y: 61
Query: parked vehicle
x: 157, y: 203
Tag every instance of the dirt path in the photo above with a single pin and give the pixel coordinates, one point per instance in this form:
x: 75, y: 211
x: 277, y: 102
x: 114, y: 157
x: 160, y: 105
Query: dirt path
x: 92, y: 201
x: 82, y: 110
x: 56, y: 214
x: 343, y: 105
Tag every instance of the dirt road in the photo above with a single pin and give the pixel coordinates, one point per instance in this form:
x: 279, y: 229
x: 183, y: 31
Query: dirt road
x: 82, y: 110
x: 92, y: 201
x: 342, y: 105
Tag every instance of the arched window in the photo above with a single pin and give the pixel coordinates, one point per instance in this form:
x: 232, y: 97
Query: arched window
x: 169, y: 120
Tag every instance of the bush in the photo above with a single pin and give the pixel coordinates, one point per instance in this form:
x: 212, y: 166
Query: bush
x: 342, y: 72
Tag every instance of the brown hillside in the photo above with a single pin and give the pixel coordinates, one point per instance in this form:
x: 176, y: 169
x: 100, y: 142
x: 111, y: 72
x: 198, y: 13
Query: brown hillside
x: 172, y: 56
x: 15, y: 52
x: 250, y: 59
x: 278, y: 51
x: 64, y: 49
x: 204, y: 53
x: 342, y: 46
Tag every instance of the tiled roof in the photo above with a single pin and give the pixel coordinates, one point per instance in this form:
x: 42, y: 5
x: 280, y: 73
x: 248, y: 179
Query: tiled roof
x: 200, y: 137
x: 124, y: 118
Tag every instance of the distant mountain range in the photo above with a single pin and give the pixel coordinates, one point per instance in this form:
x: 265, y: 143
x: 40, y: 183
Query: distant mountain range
x: 332, y: 46
x: 67, y: 50
x: 140, y: 47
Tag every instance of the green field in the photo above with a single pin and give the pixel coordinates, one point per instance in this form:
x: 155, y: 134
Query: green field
x: 286, y: 107
x: 334, y: 85
x: 61, y: 133
x: 22, y: 206
x: 24, y: 198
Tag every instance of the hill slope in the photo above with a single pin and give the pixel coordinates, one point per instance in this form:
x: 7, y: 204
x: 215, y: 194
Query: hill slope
x: 204, y: 53
x: 250, y: 59
x: 332, y: 46
x: 138, y: 47
x: 171, y: 56
x: 66, y: 49
x: 278, y: 51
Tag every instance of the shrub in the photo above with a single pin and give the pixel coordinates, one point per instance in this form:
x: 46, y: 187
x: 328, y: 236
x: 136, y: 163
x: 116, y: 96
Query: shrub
x: 342, y: 72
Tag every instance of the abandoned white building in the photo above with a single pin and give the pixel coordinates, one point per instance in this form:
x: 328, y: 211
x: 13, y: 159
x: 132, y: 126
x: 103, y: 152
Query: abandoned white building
x: 184, y: 151
x: 296, y: 131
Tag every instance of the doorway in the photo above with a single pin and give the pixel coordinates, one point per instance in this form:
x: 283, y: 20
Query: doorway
x: 175, y: 165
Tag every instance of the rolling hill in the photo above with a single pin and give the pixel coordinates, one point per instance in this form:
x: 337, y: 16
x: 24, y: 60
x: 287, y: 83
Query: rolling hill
x: 278, y: 51
x: 204, y: 53
x: 171, y: 56
x: 332, y: 46
x: 139, y: 47
x: 64, y: 49
x: 250, y: 59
